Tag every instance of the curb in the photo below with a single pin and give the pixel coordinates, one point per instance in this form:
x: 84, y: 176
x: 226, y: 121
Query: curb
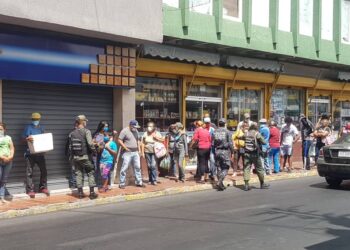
x: 140, y: 196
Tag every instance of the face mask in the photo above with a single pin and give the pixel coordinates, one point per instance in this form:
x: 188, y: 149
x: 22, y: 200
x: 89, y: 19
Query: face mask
x: 134, y: 129
x: 35, y: 123
x: 106, y: 139
x: 150, y: 129
x: 105, y: 129
x: 2, y: 133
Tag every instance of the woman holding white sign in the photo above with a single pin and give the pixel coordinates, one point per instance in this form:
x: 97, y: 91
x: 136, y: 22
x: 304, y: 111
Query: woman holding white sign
x: 7, y: 151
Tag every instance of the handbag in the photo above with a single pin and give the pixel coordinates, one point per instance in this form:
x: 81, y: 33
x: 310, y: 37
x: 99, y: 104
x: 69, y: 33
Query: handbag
x: 194, y: 144
x: 159, y: 150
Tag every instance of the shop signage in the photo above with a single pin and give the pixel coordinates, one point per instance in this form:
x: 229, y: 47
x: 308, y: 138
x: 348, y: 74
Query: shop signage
x: 320, y: 100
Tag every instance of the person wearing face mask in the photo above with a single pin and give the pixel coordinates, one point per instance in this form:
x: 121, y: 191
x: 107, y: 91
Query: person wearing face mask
x: 129, y: 141
x: 35, y: 159
x: 108, y: 155
x: 147, y: 151
x: 180, y: 150
x: 170, y: 146
x: 82, y: 148
x: 98, y: 140
x: 7, y: 151
x: 212, y: 165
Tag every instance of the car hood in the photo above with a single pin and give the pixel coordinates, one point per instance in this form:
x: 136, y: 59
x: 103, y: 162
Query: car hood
x: 339, y: 146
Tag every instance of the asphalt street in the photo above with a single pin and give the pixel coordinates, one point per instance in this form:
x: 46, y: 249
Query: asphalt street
x: 293, y: 214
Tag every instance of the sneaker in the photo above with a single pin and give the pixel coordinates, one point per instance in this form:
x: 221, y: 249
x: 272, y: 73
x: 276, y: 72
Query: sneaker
x: 141, y: 185
x: 154, y: 183
x: 264, y: 186
x: 246, y: 187
x: 93, y: 195
x: 31, y: 194
x: 122, y: 186
x: 45, y: 191
x: 182, y: 180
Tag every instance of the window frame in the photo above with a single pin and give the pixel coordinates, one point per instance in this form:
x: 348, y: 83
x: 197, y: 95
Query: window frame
x: 240, y: 13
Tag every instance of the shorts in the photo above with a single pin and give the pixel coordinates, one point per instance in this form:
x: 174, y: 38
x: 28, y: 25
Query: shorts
x: 286, y: 150
x: 105, y: 169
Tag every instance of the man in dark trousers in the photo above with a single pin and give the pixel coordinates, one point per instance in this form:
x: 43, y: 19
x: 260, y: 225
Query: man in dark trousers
x: 307, y: 128
x: 35, y: 159
x: 81, y: 149
x: 223, y: 149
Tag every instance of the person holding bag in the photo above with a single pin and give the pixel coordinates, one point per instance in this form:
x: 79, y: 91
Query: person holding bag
x: 150, y: 149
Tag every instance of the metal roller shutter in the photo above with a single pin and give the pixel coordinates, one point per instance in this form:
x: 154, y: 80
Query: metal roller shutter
x: 58, y: 104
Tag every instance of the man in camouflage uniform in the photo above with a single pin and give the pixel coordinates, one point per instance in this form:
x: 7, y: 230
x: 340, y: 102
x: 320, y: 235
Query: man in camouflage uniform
x: 223, y: 149
x: 81, y: 147
x: 253, y: 141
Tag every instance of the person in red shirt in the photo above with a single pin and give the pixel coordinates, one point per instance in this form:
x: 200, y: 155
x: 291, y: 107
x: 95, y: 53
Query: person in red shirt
x: 202, y: 137
x: 275, y: 143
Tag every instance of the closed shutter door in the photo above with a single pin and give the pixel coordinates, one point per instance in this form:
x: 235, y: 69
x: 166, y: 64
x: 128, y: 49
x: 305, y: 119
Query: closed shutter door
x: 58, y: 105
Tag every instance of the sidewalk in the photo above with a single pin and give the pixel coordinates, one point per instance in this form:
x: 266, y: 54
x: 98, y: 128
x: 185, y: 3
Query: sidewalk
x: 63, y: 200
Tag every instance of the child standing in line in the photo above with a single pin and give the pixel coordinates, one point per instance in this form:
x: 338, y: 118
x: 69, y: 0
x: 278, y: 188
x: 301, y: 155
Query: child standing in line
x: 107, y: 159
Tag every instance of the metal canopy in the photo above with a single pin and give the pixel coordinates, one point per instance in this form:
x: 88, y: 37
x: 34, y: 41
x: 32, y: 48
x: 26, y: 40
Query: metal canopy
x: 181, y: 54
x: 253, y: 63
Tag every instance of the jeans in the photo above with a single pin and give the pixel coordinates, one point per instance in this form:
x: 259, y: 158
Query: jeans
x: 4, y: 173
x: 203, y: 155
x: 97, y: 170
x: 319, y: 146
x: 172, y: 169
x: 31, y: 160
x: 152, y: 167
x: 179, y: 157
x: 134, y: 159
x: 306, y: 148
x: 212, y: 164
x: 274, y: 157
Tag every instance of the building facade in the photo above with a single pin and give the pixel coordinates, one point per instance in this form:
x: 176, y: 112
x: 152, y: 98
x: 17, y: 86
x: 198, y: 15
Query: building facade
x: 271, y: 58
x: 64, y: 58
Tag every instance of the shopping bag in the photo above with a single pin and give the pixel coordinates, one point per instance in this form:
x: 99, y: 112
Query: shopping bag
x: 165, y: 163
x: 312, y: 150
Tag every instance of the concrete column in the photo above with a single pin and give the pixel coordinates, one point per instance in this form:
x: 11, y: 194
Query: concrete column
x: 124, y: 103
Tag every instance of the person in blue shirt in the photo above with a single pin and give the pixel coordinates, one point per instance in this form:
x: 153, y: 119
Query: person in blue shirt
x: 108, y: 155
x: 265, y: 132
x: 35, y: 159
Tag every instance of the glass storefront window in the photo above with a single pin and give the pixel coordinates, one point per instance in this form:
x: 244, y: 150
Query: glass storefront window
x: 157, y: 100
x: 260, y: 12
x: 172, y: 3
x: 341, y: 115
x: 287, y: 102
x: 243, y: 101
x: 232, y: 10
x: 318, y: 105
x: 327, y: 20
x: 202, y: 6
x: 306, y: 17
x: 345, y: 16
x: 284, y: 15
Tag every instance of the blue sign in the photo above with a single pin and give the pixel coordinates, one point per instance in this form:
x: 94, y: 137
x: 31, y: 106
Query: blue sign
x: 45, y: 59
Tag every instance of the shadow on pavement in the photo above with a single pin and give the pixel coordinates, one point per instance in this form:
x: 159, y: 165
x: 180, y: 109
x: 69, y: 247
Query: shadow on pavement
x: 345, y: 186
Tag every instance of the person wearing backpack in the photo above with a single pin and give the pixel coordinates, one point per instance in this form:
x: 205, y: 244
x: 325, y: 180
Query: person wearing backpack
x: 148, y: 142
x: 82, y: 148
x: 253, y: 142
x: 223, y: 148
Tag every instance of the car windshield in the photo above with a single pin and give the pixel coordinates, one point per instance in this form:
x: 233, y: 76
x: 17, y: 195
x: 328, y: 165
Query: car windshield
x: 343, y: 139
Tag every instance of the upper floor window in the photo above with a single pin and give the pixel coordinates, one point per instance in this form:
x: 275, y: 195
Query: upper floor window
x: 202, y: 6
x: 232, y: 9
x: 172, y: 3
x: 345, y: 29
x: 260, y: 12
x: 284, y: 15
x: 305, y: 17
x: 327, y: 20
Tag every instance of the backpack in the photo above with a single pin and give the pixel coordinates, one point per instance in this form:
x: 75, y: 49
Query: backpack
x: 77, y: 143
x: 159, y: 150
x: 250, y: 143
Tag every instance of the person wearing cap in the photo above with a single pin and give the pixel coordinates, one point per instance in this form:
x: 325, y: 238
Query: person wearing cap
x: 180, y: 150
x: 223, y: 148
x: 246, y: 120
x: 31, y: 160
x: 265, y: 132
x: 81, y: 149
x: 306, y: 129
x: 212, y: 166
x: 129, y: 141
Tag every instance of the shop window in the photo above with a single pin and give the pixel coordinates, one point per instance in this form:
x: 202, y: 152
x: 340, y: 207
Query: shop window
x: 205, y: 91
x: 157, y: 100
x: 327, y: 20
x: 284, y: 15
x: 260, y: 13
x: 287, y: 102
x: 172, y: 3
x: 243, y: 101
x: 346, y: 21
x: 232, y: 10
x: 341, y: 115
x: 202, y: 6
x: 318, y: 105
x: 305, y: 17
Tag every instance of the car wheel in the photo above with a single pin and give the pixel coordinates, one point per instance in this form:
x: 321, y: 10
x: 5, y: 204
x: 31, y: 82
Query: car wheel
x: 333, y: 182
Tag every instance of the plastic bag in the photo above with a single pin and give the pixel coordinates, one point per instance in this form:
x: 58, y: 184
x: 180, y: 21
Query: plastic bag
x: 165, y: 163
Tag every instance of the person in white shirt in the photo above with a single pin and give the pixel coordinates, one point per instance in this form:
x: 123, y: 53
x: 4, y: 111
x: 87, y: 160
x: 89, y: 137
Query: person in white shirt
x: 289, y: 136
